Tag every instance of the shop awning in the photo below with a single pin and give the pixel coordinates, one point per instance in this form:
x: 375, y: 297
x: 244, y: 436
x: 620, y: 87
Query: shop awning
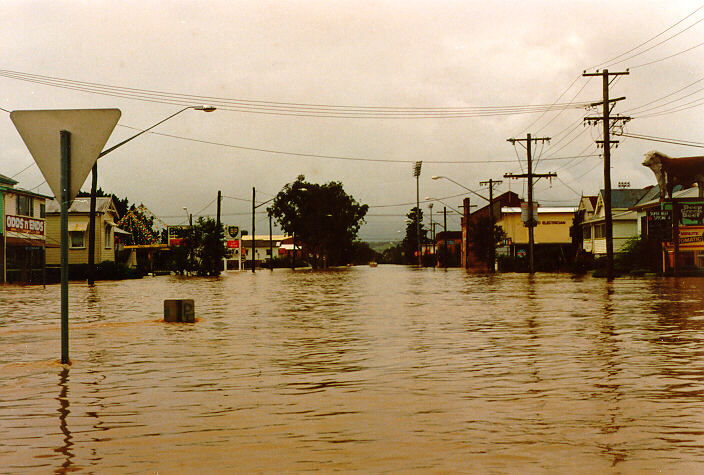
x: 120, y: 231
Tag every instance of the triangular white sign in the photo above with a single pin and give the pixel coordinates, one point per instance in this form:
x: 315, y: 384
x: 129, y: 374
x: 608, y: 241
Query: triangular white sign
x: 41, y: 131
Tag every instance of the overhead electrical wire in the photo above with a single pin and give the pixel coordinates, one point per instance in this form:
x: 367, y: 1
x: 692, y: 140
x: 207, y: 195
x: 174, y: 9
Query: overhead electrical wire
x: 668, y: 57
x: 288, y: 108
x: 331, y: 157
x: 611, y: 62
x: 687, y: 143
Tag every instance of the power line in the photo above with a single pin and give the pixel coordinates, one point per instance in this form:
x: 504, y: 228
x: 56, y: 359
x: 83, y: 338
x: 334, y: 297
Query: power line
x: 668, y: 57
x: 286, y: 108
x: 610, y: 62
x: 687, y: 143
x: 331, y: 157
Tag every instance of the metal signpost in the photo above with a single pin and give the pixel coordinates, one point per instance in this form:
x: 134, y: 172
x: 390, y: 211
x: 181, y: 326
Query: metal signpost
x: 65, y: 144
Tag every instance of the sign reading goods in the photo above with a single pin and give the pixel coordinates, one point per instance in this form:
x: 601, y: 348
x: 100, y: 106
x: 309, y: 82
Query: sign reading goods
x: 22, y: 224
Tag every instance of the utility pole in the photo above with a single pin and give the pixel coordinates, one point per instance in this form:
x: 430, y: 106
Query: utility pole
x: 465, y: 230
x: 218, y: 215
x: 444, y: 241
x: 432, y: 234
x: 253, y: 208
x: 91, y: 225
x: 416, y: 173
x: 492, y: 218
x: 606, y: 142
x: 531, y: 223
x: 271, y: 243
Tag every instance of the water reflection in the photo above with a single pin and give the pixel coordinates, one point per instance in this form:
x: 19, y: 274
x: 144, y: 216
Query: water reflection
x: 66, y: 448
x: 359, y: 370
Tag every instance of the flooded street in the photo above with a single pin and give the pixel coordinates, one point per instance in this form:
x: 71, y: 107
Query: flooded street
x: 362, y: 369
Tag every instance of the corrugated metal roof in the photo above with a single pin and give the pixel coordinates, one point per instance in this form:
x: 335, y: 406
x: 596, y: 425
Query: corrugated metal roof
x: 625, y: 198
x: 81, y: 205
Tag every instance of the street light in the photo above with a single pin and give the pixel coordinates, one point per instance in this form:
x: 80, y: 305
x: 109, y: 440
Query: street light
x: 94, y: 186
x: 430, y: 198
x: 255, y: 206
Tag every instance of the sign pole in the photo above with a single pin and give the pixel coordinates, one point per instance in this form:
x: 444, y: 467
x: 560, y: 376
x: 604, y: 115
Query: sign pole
x: 65, y: 187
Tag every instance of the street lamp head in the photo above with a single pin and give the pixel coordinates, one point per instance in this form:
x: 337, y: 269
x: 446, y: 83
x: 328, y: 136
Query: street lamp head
x: 429, y: 198
x: 436, y: 177
x: 205, y: 108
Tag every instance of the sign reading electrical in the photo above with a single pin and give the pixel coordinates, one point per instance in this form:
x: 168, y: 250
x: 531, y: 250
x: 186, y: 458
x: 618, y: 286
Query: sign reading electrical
x: 23, y: 224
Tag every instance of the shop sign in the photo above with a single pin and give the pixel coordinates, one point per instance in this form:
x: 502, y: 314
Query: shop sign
x: 23, y: 224
x: 691, y: 212
x: 176, y: 234
x: 692, y: 236
x: 233, y: 244
x: 660, y: 224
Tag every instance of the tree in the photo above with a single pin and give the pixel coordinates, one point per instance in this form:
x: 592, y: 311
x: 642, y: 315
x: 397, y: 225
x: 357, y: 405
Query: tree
x: 323, y: 218
x: 202, y: 249
x: 410, y: 242
x: 480, y: 238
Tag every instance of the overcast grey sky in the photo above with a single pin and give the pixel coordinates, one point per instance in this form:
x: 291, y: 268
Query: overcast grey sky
x: 428, y: 57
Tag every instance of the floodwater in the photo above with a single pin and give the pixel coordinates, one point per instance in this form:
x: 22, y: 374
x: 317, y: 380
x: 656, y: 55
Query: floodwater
x: 386, y: 369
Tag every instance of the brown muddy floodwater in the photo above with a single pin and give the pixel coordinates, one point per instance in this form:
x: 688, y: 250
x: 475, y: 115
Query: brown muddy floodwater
x: 363, y: 369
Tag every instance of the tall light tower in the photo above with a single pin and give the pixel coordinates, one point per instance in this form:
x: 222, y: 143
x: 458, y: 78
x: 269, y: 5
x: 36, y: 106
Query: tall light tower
x: 416, y: 173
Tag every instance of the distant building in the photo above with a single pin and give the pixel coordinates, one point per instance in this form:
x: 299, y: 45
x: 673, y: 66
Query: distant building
x: 23, y: 243
x: 650, y: 210
x: 551, y: 234
x: 469, y: 259
x: 624, y: 220
x: 264, y: 248
x: 78, y: 216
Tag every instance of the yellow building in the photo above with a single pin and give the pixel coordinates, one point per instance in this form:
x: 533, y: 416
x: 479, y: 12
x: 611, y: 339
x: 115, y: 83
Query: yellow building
x: 553, y: 226
x: 78, y: 216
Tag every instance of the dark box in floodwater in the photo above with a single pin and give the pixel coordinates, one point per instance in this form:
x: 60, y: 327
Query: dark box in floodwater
x: 179, y: 310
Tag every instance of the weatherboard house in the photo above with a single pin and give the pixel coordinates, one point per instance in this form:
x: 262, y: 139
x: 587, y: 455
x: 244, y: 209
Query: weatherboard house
x: 78, y: 217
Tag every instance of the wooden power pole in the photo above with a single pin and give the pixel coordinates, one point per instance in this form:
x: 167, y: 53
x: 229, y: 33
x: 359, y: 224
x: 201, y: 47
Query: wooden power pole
x: 607, y: 123
x: 492, y: 218
x: 531, y: 222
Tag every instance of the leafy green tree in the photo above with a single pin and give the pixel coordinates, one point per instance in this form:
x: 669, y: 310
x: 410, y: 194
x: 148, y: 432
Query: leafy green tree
x: 323, y: 218
x: 480, y: 238
x: 410, y: 241
x: 202, y: 249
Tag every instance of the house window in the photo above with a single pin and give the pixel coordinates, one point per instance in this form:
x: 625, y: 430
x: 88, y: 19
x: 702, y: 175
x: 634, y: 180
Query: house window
x: 42, y: 210
x: 25, y: 205
x: 599, y: 231
x: 76, y: 239
x: 108, y: 236
x: 268, y: 252
x: 587, y: 232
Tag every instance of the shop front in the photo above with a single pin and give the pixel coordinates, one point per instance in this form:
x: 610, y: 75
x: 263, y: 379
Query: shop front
x: 24, y: 246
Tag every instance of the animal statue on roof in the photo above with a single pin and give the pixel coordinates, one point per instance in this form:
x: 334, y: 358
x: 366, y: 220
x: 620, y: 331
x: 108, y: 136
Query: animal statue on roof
x: 669, y: 172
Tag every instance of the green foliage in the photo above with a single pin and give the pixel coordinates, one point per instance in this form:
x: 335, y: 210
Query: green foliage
x: 202, y: 249
x: 410, y: 241
x: 639, y: 255
x: 393, y: 255
x: 323, y: 218
x: 480, y: 238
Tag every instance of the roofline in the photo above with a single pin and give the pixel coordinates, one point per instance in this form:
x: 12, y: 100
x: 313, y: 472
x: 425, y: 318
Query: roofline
x: 21, y: 191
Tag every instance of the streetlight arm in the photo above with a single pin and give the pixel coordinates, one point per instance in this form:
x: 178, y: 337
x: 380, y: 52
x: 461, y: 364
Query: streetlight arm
x: 435, y: 177
x: 428, y: 198
x: 203, y: 108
